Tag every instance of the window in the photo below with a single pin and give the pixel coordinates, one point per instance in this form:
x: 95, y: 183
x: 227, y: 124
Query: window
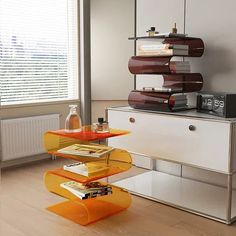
x: 38, y: 51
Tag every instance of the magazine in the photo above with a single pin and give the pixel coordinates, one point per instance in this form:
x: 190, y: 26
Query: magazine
x: 88, y: 190
x: 86, y: 169
x: 86, y: 150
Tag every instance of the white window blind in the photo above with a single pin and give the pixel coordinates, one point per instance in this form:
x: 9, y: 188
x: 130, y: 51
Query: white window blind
x: 38, y: 51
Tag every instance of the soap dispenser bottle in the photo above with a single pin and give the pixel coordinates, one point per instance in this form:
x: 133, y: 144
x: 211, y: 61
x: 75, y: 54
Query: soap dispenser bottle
x: 73, y: 121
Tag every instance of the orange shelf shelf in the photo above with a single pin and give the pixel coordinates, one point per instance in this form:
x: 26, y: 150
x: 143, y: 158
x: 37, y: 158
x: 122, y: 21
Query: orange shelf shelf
x: 90, y: 210
x: 84, y: 179
x: 85, y: 211
x: 88, y: 135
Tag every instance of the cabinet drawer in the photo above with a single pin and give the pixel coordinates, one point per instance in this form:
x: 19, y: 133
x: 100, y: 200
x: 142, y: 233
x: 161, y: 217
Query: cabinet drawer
x: 196, y: 142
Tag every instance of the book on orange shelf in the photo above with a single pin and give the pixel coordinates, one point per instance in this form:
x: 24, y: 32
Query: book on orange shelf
x: 86, y: 150
x: 88, y: 190
x: 86, y: 169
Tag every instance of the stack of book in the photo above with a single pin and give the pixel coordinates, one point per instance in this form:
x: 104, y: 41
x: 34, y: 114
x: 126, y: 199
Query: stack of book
x: 88, y: 190
x: 86, y: 169
x: 163, y: 50
x: 178, y: 101
x: 179, y: 67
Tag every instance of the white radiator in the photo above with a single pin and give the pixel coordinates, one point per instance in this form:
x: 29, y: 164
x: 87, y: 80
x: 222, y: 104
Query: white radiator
x: 22, y: 137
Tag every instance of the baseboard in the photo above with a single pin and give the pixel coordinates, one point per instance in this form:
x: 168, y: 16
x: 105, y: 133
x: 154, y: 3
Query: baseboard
x: 24, y: 160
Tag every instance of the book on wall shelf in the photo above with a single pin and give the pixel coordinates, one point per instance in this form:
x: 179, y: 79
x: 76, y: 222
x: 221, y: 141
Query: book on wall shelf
x: 171, y: 35
x: 161, y: 35
x: 159, y: 46
x: 86, y: 150
x: 163, y: 52
x: 86, y: 169
x: 88, y: 190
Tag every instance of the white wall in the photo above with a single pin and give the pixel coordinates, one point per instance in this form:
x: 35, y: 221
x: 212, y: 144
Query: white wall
x: 112, y: 22
x: 214, y: 22
x: 162, y: 15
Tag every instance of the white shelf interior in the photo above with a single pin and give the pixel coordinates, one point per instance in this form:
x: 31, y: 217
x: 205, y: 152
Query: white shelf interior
x: 193, y: 195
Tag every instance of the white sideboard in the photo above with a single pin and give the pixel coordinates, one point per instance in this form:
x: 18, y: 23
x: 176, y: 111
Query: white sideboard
x: 187, y: 138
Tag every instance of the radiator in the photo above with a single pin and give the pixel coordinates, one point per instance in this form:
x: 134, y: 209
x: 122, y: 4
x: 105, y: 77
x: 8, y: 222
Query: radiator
x: 22, y: 137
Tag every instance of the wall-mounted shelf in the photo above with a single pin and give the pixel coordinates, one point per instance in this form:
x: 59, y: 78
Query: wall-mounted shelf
x: 155, y: 101
x: 156, y: 59
x: 196, y: 45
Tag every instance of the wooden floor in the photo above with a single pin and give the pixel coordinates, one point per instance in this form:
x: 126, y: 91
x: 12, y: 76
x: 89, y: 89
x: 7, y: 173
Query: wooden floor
x: 24, y: 199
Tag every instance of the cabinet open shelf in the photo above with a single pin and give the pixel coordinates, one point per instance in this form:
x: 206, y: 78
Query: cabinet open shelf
x: 114, y: 162
x: 183, y: 193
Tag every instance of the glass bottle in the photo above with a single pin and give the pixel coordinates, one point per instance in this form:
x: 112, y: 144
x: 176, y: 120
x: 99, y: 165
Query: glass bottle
x: 101, y: 127
x: 73, y: 121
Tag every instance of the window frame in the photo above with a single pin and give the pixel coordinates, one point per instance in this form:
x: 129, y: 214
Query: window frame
x: 78, y: 67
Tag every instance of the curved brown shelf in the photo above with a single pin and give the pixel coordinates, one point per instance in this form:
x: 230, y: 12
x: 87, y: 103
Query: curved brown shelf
x: 196, y: 45
x: 155, y: 101
x: 190, y: 82
x: 152, y: 65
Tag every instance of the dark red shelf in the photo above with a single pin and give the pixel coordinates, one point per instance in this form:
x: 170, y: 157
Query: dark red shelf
x: 155, y: 101
x: 196, y: 45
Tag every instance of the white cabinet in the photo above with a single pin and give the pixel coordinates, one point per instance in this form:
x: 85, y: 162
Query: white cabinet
x: 197, y: 142
x: 187, y: 138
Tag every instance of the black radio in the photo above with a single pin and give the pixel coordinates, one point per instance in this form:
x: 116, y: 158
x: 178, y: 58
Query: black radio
x: 219, y: 104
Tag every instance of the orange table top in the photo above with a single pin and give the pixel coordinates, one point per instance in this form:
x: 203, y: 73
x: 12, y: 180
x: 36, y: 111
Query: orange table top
x: 88, y: 135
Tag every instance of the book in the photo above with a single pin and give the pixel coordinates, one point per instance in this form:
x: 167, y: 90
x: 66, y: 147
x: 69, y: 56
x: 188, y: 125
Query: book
x: 164, y: 52
x: 153, y: 47
x: 178, y: 102
x: 171, y: 35
x: 88, y: 190
x: 86, y: 169
x: 180, y: 96
x: 161, y: 89
x: 179, y: 65
x: 86, y: 150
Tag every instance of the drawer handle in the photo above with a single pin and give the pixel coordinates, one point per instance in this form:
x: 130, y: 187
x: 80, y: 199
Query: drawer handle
x: 192, y: 128
x: 131, y: 120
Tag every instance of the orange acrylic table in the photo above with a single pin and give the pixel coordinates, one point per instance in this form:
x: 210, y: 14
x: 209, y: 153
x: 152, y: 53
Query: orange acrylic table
x: 93, y: 209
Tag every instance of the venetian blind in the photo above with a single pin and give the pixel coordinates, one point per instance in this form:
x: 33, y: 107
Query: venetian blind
x: 38, y: 51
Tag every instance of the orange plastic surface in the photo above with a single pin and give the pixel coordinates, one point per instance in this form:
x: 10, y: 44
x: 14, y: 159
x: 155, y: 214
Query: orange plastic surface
x: 89, y: 210
x: 88, y: 135
x: 84, y: 179
x: 54, y: 142
x: 118, y: 161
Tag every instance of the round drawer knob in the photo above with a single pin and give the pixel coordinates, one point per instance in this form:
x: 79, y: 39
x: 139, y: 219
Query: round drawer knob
x: 131, y: 120
x: 192, y: 128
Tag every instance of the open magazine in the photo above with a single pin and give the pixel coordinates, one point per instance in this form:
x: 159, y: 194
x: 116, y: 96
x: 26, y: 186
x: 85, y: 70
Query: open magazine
x: 88, y: 190
x: 86, y: 150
